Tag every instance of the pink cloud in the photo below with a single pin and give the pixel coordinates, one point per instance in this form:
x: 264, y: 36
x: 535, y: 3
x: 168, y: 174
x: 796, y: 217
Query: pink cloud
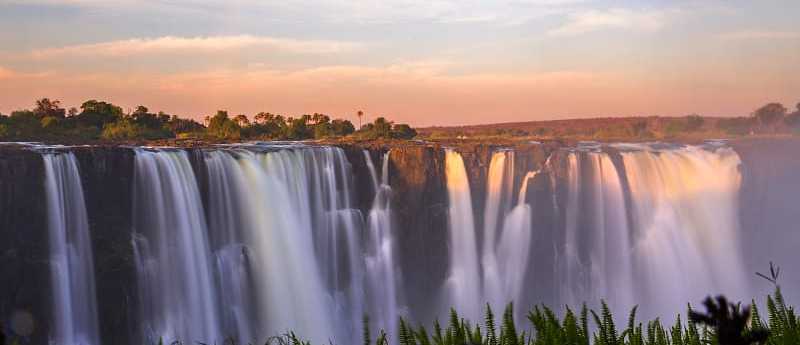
x: 209, y: 44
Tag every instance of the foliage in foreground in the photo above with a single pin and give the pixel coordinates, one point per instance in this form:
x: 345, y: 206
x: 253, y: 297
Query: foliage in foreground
x: 724, y: 323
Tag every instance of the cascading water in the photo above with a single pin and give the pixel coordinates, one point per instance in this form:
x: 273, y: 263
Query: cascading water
x: 173, y: 256
x: 513, y: 248
x: 597, y: 250
x: 499, y: 276
x: 380, y: 256
x: 498, y: 193
x: 294, y: 219
x: 280, y: 245
x: 226, y: 224
x: 71, y: 261
x: 684, y: 207
x: 681, y: 241
x: 464, y: 281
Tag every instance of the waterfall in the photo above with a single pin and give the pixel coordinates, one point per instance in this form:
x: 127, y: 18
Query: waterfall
x: 173, y: 256
x: 499, y: 276
x: 684, y: 206
x: 71, y: 262
x: 673, y: 242
x: 380, y: 258
x: 288, y: 209
x: 513, y: 248
x: 498, y: 193
x: 226, y: 225
x: 278, y: 243
x: 464, y: 281
x: 597, y: 260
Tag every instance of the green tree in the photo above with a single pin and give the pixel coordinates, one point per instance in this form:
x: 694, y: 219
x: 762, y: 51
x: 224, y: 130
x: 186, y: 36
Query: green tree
x: 342, y: 127
x: 382, y: 128
x: 298, y: 128
x: 222, y: 127
x: 403, y: 131
x: 267, y: 126
x: 97, y: 114
x: 178, y: 125
x: 124, y: 129
x: 24, y: 124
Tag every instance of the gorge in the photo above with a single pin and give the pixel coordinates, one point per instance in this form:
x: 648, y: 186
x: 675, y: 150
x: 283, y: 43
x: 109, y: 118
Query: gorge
x: 129, y: 245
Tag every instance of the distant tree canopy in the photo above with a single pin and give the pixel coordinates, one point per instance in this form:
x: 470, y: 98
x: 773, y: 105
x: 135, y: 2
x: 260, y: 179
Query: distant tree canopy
x: 384, y: 129
x: 770, y: 116
x: 48, y: 120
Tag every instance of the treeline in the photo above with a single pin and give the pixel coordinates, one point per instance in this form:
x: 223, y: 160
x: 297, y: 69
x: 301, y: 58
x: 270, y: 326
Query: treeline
x: 98, y: 120
x: 770, y: 119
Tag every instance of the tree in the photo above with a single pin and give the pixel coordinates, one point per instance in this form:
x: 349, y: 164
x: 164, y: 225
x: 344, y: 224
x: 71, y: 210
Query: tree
x: 45, y: 107
x: 155, y: 122
x: 383, y: 128
x: 360, y: 115
x: 342, y: 127
x: 141, y: 110
x: 222, y: 127
x: 793, y: 120
x: 298, y: 128
x: 97, y: 114
x: 263, y: 118
x: 241, y: 120
x: 403, y: 131
x: 770, y: 115
x: 267, y: 126
x: 178, y: 125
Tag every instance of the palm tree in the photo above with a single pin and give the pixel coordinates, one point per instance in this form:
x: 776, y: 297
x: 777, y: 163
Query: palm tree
x: 360, y: 115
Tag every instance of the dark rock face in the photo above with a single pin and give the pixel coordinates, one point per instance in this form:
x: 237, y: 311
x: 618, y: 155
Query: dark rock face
x: 419, y: 203
x: 107, y: 176
x: 24, y: 256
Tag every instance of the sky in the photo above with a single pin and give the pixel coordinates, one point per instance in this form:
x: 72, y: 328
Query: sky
x: 424, y: 62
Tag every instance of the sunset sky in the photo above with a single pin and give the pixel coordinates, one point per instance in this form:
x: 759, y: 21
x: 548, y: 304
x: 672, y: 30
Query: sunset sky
x: 424, y: 62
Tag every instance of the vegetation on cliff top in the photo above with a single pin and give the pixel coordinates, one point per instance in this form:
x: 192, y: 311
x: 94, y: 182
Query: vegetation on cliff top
x: 98, y: 120
x: 770, y: 119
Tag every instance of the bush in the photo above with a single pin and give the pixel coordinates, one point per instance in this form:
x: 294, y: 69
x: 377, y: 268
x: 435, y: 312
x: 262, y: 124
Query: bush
x: 403, y: 131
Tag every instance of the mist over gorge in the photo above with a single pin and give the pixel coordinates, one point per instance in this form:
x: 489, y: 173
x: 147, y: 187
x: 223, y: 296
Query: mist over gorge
x: 250, y: 240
